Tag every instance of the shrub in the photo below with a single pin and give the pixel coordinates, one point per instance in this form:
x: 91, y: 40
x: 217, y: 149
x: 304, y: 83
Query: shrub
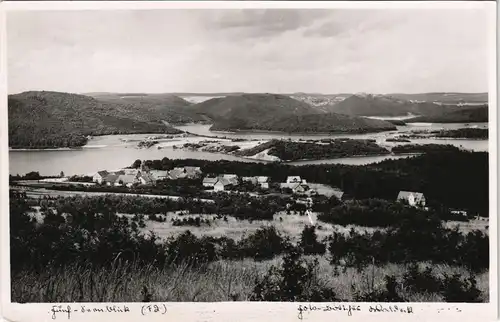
x: 390, y: 293
x: 456, y: 289
x: 309, y: 242
x: 295, y: 280
x: 421, y: 281
x: 189, y: 249
x: 265, y: 243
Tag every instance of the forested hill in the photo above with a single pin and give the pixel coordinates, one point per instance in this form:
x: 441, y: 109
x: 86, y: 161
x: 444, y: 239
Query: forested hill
x: 252, y: 108
x: 469, y: 115
x: 327, y: 123
x: 41, y: 119
x: 166, y: 107
x: 383, y: 105
x: 272, y: 112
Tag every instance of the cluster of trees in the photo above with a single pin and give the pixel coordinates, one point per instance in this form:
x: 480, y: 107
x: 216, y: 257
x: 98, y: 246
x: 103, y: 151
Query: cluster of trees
x: 339, y: 148
x: 424, y: 148
x: 397, y: 245
x: 465, y: 133
x: 445, y: 177
x: 462, y: 115
x: 378, y: 213
x: 240, y: 206
x: 191, y: 221
x: 33, y: 175
x: 81, y: 179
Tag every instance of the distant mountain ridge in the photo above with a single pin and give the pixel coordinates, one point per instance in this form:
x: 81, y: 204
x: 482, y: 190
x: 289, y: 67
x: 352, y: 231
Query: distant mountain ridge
x: 383, y: 105
x: 274, y: 112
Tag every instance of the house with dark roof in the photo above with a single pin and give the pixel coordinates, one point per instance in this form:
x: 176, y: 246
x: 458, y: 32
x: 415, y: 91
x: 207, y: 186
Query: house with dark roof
x: 177, y: 173
x: 111, y: 179
x: 414, y: 199
x: 159, y: 174
x: 222, y: 184
x: 192, y: 172
x: 210, y: 182
x: 126, y: 180
x: 146, y: 178
x: 100, y: 176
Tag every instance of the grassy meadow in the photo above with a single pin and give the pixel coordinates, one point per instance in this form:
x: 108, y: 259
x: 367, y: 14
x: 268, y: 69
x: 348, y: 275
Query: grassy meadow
x: 222, y: 280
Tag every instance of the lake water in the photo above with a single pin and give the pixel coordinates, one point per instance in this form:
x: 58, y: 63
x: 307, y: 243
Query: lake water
x: 111, y: 152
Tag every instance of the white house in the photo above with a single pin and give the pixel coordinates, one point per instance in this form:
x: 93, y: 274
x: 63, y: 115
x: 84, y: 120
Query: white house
x: 145, y: 178
x: 253, y: 180
x: 210, y: 182
x: 414, y: 199
x: 231, y: 178
x: 159, y: 174
x: 221, y: 184
x: 263, y: 181
x: 293, y: 179
x: 459, y: 212
x: 100, y: 176
x: 295, y: 187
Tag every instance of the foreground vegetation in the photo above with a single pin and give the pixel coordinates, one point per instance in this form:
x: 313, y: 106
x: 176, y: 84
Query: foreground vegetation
x: 106, y: 257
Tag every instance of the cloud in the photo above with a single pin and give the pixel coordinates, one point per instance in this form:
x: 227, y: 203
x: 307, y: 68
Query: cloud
x: 261, y: 23
x: 275, y: 50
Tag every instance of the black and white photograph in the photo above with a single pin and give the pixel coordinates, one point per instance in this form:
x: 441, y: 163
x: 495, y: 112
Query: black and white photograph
x: 247, y: 154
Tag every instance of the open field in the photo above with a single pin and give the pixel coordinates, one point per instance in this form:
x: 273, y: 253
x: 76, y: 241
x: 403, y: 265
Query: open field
x: 289, y: 225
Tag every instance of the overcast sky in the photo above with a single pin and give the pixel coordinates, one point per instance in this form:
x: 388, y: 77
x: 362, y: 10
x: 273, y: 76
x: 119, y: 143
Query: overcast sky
x: 278, y: 51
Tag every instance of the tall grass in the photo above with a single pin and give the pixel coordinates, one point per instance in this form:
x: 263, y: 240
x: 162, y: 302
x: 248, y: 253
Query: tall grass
x: 222, y: 280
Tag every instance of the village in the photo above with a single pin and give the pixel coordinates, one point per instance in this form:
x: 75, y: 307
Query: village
x: 302, y: 190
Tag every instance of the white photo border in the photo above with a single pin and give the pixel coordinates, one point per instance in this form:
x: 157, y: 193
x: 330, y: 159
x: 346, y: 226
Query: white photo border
x: 248, y: 311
